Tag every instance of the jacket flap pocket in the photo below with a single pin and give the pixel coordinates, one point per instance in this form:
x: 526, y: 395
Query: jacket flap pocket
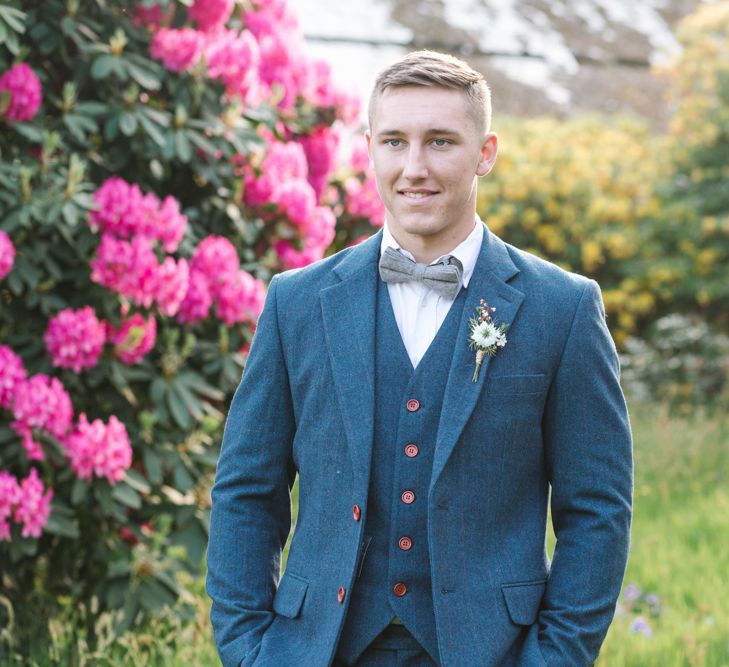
x: 517, y: 384
x: 523, y: 600
x: 290, y: 595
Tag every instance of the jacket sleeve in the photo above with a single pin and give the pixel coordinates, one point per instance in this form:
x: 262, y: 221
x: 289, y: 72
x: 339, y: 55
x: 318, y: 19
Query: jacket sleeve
x: 588, y: 447
x: 251, y: 510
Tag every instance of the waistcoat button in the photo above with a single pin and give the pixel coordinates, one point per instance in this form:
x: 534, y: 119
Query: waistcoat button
x: 340, y: 594
x: 408, y: 497
x: 356, y: 513
x: 413, y: 405
x: 405, y: 543
x: 411, y: 450
x: 399, y: 589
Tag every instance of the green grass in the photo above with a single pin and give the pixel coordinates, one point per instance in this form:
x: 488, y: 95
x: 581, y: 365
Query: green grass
x: 679, y: 547
x: 679, y: 560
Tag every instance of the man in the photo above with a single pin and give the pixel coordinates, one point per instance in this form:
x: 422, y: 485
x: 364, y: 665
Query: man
x: 429, y: 387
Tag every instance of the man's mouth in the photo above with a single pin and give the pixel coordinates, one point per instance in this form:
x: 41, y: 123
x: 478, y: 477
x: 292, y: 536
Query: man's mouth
x: 417, y: 194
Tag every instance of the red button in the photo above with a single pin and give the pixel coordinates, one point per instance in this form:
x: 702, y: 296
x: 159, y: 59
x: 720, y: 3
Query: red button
x: 408, y: 497
x: 399, y: 589
x: 356, y: 513
x: 413, y: 405
x: 340, y: 594
x: 411, y: 450
x: 405, y: 543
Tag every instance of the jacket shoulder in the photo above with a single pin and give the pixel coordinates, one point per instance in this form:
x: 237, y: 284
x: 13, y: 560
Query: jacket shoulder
x: 551, y: 277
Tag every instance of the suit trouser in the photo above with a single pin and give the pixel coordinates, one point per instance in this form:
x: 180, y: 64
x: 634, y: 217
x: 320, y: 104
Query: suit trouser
x: 395, y: 647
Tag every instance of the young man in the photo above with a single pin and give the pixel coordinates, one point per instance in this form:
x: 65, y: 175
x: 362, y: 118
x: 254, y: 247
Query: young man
x: 425, y: 464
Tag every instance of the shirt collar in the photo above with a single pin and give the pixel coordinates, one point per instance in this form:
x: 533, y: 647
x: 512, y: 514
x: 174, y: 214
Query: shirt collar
x: 466, y: 251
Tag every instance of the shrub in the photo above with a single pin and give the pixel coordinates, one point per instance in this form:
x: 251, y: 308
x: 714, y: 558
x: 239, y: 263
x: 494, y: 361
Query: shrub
x: 159, y: 163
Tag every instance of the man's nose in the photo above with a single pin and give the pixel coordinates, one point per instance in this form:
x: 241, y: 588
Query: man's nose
x: 415, y: 165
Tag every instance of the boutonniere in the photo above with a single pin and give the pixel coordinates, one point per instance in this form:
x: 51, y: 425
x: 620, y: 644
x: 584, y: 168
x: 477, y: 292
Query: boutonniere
x: 487, y: 335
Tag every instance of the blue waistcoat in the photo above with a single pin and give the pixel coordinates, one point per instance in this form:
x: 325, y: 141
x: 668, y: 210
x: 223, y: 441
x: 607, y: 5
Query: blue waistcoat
x: 394, y: 572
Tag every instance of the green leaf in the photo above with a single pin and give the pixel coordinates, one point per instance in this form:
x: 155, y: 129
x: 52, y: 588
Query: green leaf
x: 152, y: 130
x: 178, y: 409
x: 27, y: 271
x: 116, y: 591
x: 103, y: 66
x: 152, y: 465
x: 111, y: 127
x: 183, y: 480
x: 78, y: 491
x: 70, y: 213
x: 32, y: 133
x: 143, y: 77
x: 194, y: 538
x: 193, y: 405
x: 62, y: 525
x: 91, y: 108
x: 126, y: 495
x: 201, y: 142
x: 153, y: 595
x: 128, y: 123
x: 13, y: 17
x: 136, y: 481
x: 183, y: 147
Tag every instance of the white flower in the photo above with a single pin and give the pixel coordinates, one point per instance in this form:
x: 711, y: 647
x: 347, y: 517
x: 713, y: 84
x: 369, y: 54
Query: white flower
x: 486, y: 334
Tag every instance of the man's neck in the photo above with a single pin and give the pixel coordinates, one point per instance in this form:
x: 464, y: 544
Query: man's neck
x: 426, y: 249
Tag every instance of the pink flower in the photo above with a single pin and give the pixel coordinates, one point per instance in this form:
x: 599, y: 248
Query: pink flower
x: 33, y: 506
x: 170, y: 224
x: 297, y: 200
x: 195, y: 307
x: 134, y: 338
x: 97, y: 449
x: 174, y: 279
x: 360, y: 158
x: 25, y: 92
x: 124, y: 211
x: 150, y: 17
x: 211, y: 14
x: 240, y: 298
x: 178, y: 50
x: 118, y: 209
x: 41, y: 402
x: 285, y: 161
x: 363, y: 200
x: 320, y: 148
x: 7, y: 254
x: 131, y: 269
x: 215, y: 258
x: 318, y: 235
x: 233, y: 58
x: 9, y: 496
x: 75, y: 339
x: 12, y: 373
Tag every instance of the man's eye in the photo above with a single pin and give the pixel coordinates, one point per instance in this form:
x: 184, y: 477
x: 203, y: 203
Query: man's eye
x: 393, y: 143
x: 441, y: 142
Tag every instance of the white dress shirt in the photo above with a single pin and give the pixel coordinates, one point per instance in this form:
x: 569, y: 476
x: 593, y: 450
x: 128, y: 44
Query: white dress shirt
x: 419, y: 311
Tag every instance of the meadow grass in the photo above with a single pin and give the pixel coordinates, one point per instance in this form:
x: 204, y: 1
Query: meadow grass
x: 678, y: 570
x: 674, y: 611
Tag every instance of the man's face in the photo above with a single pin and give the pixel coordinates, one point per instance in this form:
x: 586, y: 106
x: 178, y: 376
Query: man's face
x: 427, y: 150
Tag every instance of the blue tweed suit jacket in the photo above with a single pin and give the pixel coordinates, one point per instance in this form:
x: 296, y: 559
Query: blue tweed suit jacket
x: 546, y: 413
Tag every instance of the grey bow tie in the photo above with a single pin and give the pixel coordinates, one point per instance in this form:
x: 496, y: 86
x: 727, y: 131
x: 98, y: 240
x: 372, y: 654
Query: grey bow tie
x: 445, y: 279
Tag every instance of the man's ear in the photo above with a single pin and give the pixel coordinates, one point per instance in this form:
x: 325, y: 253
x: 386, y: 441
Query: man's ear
x: 489, y: 148
x: 368, y: 139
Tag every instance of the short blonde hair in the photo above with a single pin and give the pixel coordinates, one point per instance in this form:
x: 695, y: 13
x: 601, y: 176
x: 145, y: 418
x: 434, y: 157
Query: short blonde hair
x: 431, y: 68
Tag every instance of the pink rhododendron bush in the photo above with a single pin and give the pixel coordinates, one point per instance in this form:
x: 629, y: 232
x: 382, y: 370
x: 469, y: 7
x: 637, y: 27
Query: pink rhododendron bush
x: 159, y: 163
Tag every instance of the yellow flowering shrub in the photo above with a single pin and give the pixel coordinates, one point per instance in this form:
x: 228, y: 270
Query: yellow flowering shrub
x: 579, y: 192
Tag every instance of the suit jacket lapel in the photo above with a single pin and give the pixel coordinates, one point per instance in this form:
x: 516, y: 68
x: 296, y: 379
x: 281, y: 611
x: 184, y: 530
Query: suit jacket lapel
x: 348, y: 309
x: 493, y: 268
